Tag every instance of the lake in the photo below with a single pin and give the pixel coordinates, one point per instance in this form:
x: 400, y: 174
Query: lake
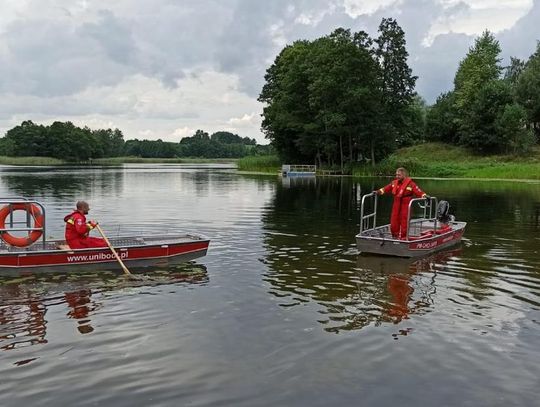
x: 283, y: 311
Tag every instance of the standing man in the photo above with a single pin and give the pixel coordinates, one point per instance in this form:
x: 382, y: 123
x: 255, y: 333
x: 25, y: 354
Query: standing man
x: 404, y: 189
x: 77, y: 229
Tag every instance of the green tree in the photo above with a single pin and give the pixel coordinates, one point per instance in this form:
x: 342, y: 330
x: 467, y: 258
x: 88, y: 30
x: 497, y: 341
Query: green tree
x: 321, y: 98
x: 27, y: 139
x: 510, y: 126
x: 226, y: 137
x: 442, y: 120
x: 481, y: 129
x: 480, y: 66
x: 514, y: 70
x: 528, y: 90
x: 342, y: 92
x: 414, y: 123
x: 7, y: 146
x: 396, y: 84
x: 287, y: 115
x: 110, y: 142
x: 481, y: 96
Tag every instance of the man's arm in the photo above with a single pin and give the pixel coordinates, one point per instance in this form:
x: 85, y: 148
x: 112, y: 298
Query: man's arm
x: 80, y: 225
x: 386, y: 189
x: 418, y: 192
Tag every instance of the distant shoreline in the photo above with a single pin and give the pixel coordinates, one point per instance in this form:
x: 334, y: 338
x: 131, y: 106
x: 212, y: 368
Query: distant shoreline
x: 44, y: 161
x: 426, y: 161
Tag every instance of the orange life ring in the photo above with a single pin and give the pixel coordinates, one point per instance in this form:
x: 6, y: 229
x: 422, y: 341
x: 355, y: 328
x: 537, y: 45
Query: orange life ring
x: 34, y: 235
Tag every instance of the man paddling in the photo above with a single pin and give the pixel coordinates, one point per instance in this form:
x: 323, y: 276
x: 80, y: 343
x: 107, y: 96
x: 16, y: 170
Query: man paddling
x: 404, y: 189
x: 77, y: 229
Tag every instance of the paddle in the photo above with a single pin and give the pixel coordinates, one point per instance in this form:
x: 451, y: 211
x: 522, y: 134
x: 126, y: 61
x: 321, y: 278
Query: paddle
x: 126, y: 271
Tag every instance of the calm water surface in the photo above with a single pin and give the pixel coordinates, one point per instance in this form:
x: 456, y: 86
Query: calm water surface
x: 282, y: 311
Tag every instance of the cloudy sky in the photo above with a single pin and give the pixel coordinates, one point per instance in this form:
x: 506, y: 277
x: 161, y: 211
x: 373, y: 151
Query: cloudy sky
x: 164, y: 68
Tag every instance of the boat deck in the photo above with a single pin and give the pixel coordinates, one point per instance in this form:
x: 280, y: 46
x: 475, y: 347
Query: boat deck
x: 416, y: 229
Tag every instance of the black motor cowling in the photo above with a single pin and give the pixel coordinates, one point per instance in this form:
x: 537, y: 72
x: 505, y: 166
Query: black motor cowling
x: 442, y: 212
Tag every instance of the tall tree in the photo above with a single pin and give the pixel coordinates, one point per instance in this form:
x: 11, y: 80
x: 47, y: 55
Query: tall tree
x: 286, y: 115
x: 396, y: 83
x: 480, y: 66
x: 321, y: 97
x: 343, y: 91
x: 514, y: 70
x: 528, y: 90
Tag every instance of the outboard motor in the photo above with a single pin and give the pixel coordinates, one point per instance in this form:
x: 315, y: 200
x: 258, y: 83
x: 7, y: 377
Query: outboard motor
x: 442, y: 212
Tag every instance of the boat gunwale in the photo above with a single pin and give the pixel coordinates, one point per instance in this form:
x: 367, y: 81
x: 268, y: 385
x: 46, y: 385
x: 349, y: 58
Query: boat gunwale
x: 4, y: 267
x: 34, y: 249
x: 363, y: 235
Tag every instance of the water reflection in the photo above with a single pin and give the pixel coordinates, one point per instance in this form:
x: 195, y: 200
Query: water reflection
x: 294, y: 182
x: 81, y: 306
x: 22, y: 317
x: 407, y: 285
x: 24, y: 302
x: 63, y: 182
x: 378, y: 290
x: 309, y: 238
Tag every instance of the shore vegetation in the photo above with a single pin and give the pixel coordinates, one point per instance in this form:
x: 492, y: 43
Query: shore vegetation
x: 430, y: 160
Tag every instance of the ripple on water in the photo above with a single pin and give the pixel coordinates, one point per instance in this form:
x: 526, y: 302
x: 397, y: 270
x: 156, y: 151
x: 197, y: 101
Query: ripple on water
x: 285, y: 311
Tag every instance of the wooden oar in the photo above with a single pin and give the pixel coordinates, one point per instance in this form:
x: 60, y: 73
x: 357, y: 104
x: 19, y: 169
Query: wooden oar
x: 126, y: 271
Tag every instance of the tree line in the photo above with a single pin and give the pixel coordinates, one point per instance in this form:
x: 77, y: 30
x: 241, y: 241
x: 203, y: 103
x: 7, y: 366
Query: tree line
x: 492, y: 109
x: 345, y: 98
x: 64, y: 140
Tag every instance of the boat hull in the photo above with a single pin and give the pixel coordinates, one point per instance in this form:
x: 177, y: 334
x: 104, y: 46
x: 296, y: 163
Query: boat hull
x: 138, y: 252
x: 371, y: 243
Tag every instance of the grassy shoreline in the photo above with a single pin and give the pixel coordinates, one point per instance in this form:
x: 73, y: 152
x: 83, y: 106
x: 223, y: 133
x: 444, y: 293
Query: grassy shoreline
x: 432, y: 160
x: 4, y: 160
x: 436, y: 160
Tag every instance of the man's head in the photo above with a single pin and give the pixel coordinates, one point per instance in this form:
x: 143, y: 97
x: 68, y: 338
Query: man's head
x: 401, y: 174
x: 83, y: 207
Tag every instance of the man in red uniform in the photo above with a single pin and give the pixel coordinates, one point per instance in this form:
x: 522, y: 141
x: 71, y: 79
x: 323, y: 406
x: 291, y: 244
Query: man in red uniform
x: 404, y: 189
x: 77, y: 229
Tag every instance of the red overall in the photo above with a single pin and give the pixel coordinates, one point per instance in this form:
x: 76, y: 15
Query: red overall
x: 403, y: 192
x: 77, y: 232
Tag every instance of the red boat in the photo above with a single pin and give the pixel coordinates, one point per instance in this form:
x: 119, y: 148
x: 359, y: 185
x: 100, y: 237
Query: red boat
x: 31, y: 253
x: 435, y: 229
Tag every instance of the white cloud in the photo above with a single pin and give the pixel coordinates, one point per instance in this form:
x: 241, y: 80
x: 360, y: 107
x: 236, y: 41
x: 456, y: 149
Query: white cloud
x: 147, y: 134
x: 472, y: 17
x: 314, y: 17
x: 182, y: 132
x: 246, y: 120
x: 356, y: 8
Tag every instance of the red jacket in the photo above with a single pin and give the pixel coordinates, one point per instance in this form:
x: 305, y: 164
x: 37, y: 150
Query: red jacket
x: 407, y: 188
x: 76, y: 226
x: 77, y: 230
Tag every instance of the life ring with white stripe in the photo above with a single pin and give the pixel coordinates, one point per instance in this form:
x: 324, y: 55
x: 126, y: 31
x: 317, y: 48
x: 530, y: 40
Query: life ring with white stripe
x: 33, y: 236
